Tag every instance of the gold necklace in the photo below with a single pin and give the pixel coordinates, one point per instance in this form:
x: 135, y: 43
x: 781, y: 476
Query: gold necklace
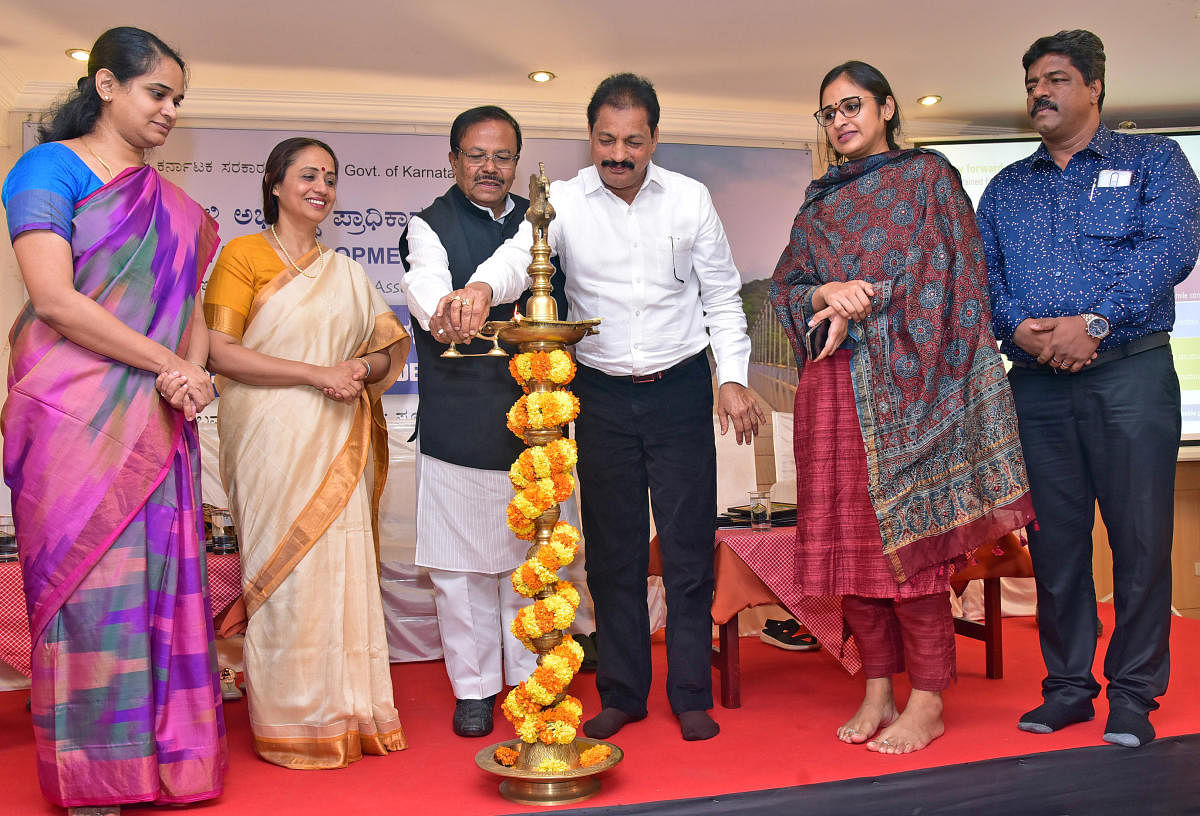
x: 320, y: 254
x: 103, y: 163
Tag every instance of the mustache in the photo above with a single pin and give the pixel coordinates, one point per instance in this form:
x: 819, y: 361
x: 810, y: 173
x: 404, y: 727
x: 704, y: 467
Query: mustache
x: 488, y: 177
x: 625, y: 163
x: 1042, y: 104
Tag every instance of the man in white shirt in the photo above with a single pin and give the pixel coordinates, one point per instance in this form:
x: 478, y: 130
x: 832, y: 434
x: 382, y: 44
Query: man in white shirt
x: 643, y: 248
x: 464, y: 447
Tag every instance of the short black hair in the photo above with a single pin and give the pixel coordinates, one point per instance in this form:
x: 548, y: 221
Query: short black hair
x: 283, y: 156
x: 1083, y: 48
x: 484, y: 113
x: 625, y: 91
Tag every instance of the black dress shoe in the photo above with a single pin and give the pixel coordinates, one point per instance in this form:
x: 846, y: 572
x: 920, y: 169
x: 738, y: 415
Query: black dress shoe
x: 473, y: 718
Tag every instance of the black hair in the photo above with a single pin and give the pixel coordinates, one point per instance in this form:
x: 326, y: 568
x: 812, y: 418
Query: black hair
x: 871, y: 80
x: 625, y: 91
x: 1083, y: 48
x: 484, y: 113
x: 126, y: 51
x: 283, y: 155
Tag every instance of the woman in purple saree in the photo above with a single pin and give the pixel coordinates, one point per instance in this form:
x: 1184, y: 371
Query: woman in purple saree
x: 104, y: 472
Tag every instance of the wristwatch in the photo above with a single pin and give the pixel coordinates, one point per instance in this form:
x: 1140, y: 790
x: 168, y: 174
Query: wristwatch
x: 1097, y: 325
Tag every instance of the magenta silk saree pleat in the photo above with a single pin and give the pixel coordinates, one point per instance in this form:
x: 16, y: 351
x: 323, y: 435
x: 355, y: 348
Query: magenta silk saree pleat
x: 104, y: 479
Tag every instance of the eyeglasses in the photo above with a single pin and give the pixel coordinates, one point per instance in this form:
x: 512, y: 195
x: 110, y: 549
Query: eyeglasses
x: 503, y: 159
x: 850, y: 107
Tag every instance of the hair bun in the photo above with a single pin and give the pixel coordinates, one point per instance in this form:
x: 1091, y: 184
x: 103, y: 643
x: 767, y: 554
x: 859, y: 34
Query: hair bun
x: 82, y: 83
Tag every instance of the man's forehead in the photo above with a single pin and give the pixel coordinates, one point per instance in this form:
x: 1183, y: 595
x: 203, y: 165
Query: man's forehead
x: 490, y: 130
x: 1052, y: 64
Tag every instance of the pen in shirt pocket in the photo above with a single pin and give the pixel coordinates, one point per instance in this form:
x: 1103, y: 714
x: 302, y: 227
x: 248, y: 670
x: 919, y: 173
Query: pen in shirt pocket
x: 674, y: 274
x: 1092, y: 194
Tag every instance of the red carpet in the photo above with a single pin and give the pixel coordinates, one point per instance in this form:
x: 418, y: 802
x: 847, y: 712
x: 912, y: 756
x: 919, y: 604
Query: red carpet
x: 782, y: 736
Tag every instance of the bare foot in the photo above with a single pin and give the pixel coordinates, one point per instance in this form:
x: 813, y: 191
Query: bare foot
x: 878, y: 709
x: 920, y: 724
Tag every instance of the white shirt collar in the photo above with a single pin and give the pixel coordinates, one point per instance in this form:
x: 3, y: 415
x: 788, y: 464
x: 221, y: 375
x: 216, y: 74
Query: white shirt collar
x: 593, y: 183
x: 508, y: 207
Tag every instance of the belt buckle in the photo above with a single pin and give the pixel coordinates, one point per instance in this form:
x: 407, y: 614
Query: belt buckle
x: 647, y: 378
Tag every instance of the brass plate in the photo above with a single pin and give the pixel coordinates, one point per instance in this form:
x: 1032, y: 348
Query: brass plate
x: 529, y: 330
x: 487, y: 762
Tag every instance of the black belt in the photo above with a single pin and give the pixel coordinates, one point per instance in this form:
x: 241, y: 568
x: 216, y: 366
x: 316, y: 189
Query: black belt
x: 658, y: 375
x: 1150, y: 341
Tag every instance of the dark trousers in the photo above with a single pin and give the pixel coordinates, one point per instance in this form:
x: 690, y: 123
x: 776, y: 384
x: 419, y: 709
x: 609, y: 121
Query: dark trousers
x: 1110, y: 435
x: 656, y: 437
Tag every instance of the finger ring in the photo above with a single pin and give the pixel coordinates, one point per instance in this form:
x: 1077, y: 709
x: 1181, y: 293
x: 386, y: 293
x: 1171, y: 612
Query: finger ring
x: 466, y: 301
x: 441, y: 331
x: 458, y: 298
x: 1065, y: 364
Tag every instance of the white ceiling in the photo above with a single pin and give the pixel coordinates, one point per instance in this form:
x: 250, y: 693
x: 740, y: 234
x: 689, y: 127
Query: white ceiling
x: 725, y: 70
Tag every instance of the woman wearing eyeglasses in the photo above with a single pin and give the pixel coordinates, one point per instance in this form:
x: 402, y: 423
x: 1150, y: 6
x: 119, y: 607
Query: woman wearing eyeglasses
x: 905, y: 434
x: 305, y: 346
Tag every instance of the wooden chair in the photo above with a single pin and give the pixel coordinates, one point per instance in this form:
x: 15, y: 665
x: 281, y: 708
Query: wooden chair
x: 1003, y: 558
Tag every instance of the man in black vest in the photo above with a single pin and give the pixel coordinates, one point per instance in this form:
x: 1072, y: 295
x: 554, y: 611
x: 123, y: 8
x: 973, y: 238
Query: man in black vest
x: 464, y: 448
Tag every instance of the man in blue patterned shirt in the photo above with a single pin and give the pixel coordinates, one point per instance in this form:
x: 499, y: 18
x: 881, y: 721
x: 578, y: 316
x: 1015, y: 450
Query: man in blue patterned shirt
x: 1085, y: 241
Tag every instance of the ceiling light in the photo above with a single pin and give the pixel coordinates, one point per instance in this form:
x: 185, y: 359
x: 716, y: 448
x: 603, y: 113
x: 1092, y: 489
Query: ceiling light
x: 80, y: 54
x: 929, y: 99
x: 541, y: 76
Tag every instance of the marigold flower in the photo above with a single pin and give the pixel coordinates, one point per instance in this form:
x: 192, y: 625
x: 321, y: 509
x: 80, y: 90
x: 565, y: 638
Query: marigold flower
x: 551, y: 766
x: 594, y: 755
x: 505, y: 756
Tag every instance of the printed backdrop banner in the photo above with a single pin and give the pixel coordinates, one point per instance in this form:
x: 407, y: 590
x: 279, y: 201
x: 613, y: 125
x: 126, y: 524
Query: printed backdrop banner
x: 384, y: 179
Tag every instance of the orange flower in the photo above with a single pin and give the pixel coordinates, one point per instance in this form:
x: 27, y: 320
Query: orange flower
x: 594, y: 755
x: 506, y: 756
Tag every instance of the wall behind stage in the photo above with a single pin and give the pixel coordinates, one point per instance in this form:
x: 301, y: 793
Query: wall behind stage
x: 385, y: 178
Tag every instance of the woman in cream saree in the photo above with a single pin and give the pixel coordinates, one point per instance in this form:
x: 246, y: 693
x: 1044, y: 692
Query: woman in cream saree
x: 305, y: 347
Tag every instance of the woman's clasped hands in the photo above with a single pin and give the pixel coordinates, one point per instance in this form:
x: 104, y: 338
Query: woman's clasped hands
x: 186, y: 387
x: 839, y: 302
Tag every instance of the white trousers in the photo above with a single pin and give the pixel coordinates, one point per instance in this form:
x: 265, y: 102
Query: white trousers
x: 474, y: 613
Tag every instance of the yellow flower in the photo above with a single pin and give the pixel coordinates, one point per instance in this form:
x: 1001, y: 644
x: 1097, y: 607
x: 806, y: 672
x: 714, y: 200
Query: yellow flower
x: 551, y: 766
x: 527, y: 730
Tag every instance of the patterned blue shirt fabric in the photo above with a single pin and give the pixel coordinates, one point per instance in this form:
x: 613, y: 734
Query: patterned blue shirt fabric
x: 1113, y: 234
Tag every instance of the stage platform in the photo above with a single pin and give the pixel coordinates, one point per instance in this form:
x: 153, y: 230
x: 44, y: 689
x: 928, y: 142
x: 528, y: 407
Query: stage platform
x: 777, y: 754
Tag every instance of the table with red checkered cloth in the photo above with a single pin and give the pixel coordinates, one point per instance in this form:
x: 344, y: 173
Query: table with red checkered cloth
x: 224, y: 587
x: 768, y: 556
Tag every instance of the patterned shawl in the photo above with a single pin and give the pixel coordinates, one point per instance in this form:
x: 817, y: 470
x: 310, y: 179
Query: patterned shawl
x: 87, y: 439
x: 937, y: 417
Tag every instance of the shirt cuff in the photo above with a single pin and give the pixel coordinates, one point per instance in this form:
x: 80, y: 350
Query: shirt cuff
x: 1111, y: 311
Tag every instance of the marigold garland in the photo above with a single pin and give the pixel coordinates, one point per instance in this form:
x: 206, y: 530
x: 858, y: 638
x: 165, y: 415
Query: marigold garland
x: 528, y: 706
x: 542, y: 409
x: 508, y: 757
x: 594, y: 755
x: 543, y: 462
x: 554, y: 366
x: 538, y: 708
x: 541, y: 571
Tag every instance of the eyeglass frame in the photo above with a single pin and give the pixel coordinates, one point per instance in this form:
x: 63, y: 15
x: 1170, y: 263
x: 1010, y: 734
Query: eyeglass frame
x: 500, y: 160
x: 838, y: 107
